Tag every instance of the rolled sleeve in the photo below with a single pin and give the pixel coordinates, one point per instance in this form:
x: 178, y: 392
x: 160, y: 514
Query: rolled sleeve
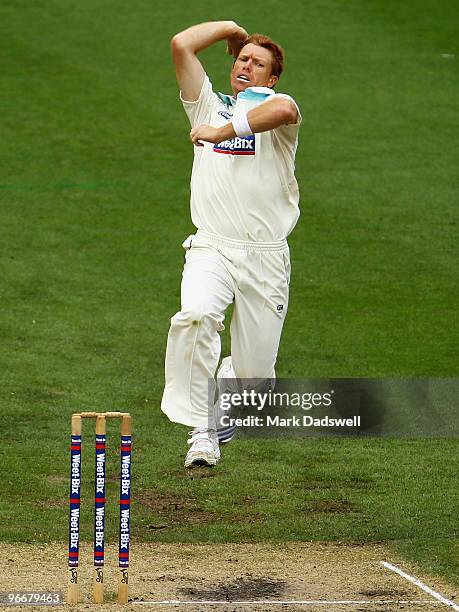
x: 200, y: 110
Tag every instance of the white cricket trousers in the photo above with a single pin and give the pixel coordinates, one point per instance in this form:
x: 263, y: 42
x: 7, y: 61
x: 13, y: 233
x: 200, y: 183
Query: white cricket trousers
x: 218, y: 271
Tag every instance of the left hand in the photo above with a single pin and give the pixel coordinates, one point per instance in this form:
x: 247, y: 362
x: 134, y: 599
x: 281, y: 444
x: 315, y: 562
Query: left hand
x: 207, y: 133
x: 235, y: 42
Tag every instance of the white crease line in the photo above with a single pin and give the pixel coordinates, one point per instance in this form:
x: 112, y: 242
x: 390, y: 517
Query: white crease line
x: 290, y: 602
x: 421, y: 585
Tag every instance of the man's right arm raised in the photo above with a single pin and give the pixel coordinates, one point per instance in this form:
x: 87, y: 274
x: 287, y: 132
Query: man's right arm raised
x: 187, y: 44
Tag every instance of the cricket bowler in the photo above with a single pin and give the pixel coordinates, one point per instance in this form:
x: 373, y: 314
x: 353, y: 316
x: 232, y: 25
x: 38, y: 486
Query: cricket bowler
x: 244, y: 204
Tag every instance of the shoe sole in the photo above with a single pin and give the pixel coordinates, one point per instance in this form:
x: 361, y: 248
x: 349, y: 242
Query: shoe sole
x: 201, y: 461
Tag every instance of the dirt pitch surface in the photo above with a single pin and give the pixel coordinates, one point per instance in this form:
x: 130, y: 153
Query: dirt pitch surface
x: 231, y: 572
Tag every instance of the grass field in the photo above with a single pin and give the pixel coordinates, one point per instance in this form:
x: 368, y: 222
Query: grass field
x: 95, y: 164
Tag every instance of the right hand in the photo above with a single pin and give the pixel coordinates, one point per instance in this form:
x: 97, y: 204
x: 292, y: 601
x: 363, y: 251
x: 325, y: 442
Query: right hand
x: 236, y: 41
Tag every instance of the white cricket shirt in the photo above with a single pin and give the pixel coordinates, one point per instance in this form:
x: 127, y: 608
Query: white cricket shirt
x: 243, y: 188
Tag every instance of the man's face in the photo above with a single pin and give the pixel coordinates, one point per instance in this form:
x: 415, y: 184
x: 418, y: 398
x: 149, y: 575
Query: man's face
x: 252, y: 68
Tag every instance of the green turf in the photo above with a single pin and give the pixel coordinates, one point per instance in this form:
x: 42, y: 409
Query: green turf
x: 94, y: 206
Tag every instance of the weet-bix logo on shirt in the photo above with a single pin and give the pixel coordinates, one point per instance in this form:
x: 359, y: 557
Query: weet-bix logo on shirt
x: 237, y: 146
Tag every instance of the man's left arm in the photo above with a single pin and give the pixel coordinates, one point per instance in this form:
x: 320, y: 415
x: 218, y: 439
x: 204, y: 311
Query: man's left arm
x: 267, y: 116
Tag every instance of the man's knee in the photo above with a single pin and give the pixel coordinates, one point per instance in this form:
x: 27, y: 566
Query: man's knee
x: 194, y: 317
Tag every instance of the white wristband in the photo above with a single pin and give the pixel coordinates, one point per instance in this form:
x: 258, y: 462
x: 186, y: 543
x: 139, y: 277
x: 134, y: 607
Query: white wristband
x: 241, y: 125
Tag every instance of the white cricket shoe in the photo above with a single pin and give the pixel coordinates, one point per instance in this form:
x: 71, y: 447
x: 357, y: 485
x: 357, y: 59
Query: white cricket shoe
x: 203, y: 449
